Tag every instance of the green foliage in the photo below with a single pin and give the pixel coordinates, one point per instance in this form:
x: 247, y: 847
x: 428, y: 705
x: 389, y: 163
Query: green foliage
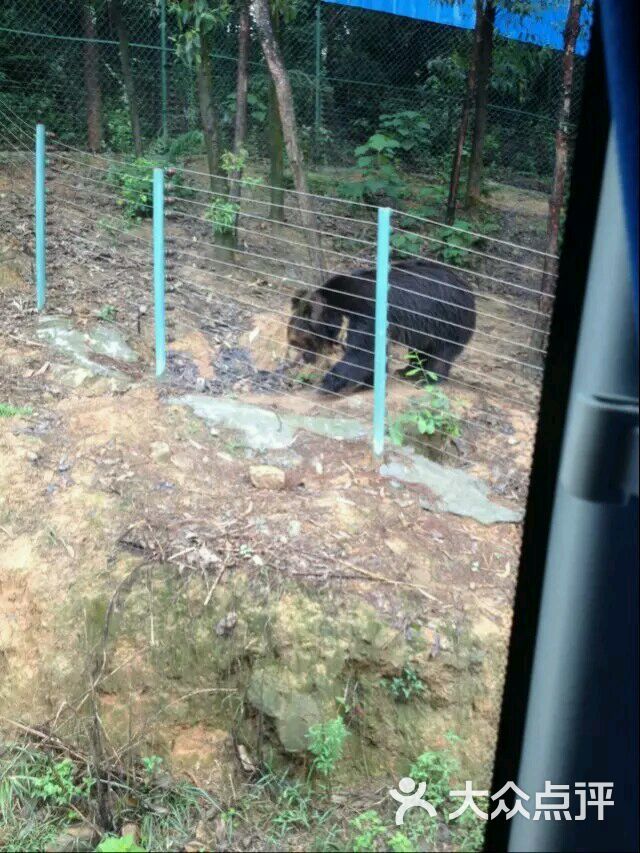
x: 370, y: 829
x: 293, y: 808
x: 151, y: 763
x: 195, y: 19
x: 326, y: 744
x: 222, y: 214
x: 118, y: 844
x: 9, y: 411
x: 186, y: 145
x: 410, y: 129
x: 108, y: 313
x: 427, y: 415
x: 399, y: 843
x: 380, y: 178
x: 134, y: 182
x: 119, y: 135
x: 405, y: 686
x: 436, y: 768
x: 54, y: 784
x: 406, y: 244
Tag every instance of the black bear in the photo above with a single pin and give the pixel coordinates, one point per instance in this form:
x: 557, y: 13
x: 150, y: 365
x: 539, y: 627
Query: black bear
x: 430, y: 310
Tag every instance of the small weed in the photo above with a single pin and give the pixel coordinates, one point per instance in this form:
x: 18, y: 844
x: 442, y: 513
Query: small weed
x: 108, y: 313
x: 428, y: 415
x: 405, y: 686
x: 222, y: 213
x: 436, y: 769
x: 186, y: 145
x: 9, y: 411
x: 134, y: 182
x: 151, y: 763
x: 326, y: 743
x: 293, y: 809
x: 370, y: 829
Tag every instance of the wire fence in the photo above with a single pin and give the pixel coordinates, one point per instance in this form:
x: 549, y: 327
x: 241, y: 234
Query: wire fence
x: 349, y: 69
x: 471, y: 320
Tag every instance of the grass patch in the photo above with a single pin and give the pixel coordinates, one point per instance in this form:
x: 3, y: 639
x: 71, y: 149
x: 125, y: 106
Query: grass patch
x: 9, y: 411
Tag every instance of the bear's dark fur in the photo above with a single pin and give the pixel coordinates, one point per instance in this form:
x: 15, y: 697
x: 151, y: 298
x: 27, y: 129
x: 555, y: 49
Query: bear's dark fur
x: 431, y: 311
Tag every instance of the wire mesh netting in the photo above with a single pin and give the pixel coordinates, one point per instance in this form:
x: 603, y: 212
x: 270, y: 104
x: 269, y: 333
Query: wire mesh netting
x: 348, y: 67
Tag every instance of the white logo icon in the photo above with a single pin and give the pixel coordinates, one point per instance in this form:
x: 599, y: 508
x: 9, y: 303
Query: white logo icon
x: 410, y: 797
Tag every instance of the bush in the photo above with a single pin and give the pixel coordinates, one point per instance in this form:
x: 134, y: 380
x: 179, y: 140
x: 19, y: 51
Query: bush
x: 119, y: 135
x: 133, y: 181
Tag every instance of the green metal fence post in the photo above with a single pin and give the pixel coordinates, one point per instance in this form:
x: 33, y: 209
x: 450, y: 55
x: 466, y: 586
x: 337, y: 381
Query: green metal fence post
x: 159, y: 270
x: 380, y: 340
x: 163, y: 69
x: 40, y: 218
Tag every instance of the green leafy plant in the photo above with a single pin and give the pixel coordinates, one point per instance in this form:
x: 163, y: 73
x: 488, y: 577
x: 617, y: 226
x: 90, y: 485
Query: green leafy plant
x: 427, y: 415
x: 406, y: 244
x: 380, y: 177
x: 326, y: 744
x: 134, y: 182
x: 399, y: 843
x: 151, y: 763
x: 222, y: 213
x: 370, y: 829
x: 405, y: 686
x: 186, y: 145
x: 55, y: 784
x: 119, y: 844
x: 293, y: 808
x: 119, y: 134
x: 411, y: 130
x: 436, y: 768
x: 108, y: 313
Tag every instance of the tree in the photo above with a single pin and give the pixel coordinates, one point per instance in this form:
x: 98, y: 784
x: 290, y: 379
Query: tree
x: 197, y: 20
x: 456, y: 166
x: 275, y: 142
x: 119, y: 24
x: 571, y: 32
x: 242, y: 80
x: 282, y: 85
x: 92, y: 91
x: 483, y: 78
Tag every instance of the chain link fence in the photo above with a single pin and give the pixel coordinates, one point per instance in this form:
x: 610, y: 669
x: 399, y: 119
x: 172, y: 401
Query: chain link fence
x: 348, y: 68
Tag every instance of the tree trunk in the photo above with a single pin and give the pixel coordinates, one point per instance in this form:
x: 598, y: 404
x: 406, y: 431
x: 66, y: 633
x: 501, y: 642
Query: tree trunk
x: 242, y: 90
x: 282, y: 84
x: 93, y: 97
x: 242, y: 81
x: 547, y: 285
x: 208, y: 119
x: 456, y: 166
x: 127, y: 75
x: 485, y: 58
x: 275, y: 140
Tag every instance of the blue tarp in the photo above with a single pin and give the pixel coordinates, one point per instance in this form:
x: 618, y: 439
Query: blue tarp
x: 544, y: 27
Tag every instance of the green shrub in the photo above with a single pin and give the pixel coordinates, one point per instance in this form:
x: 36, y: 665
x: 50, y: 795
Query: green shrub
x: 380, y: 178
x: 326, y: 744
x: 186, y: 145
x: 133, y: 181
x: 429, y: 414
x: 119, y: 135
x: 405, y: 686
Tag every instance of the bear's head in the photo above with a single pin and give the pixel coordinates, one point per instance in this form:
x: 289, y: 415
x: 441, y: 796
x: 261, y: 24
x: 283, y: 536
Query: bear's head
x: 305, y: 327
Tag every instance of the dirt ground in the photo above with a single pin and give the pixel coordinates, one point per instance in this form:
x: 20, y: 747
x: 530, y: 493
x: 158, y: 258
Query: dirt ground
x: 143, y: 573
